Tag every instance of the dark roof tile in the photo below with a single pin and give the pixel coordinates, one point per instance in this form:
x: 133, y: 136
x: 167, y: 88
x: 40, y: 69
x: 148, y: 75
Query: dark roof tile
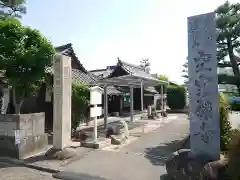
x: 80, y: 77
x: 102, y: 73
x: 134, y: 69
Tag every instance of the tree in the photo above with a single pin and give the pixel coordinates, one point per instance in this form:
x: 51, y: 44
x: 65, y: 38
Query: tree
x: 159, y: 86
x: 185, y: 72
x: 144, y: 63
x: 24, y: 56
x: 163, y: 77
x: 12, y: 8
x: 228, y: 42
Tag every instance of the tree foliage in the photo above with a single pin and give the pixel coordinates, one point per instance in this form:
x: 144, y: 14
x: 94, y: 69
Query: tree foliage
x: 158, y: 86
x: 12, y: 8
x: 233, y: 169
x: 163, y: 77
x: 225, y: 125
x: 80, y: 103
x: 176, y: 97
x: 24, y: 56
x: 228, y: 29
x: 185, y: 72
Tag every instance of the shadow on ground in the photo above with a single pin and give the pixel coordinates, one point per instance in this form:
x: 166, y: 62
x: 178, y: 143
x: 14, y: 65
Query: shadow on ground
x: 159, y: 154
x: 7, y: 165
x: 164, y: 177
x: 76, y: 176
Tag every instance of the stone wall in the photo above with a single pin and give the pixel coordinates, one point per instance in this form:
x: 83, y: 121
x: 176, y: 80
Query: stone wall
x: 22, y: 135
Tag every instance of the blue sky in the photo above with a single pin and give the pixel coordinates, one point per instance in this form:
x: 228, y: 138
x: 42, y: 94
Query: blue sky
x: 102, y: 30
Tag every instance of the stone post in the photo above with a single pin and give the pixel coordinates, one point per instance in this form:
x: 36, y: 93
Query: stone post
x: 203, y: 86
x: 95, y: 111
x: 62, y: 102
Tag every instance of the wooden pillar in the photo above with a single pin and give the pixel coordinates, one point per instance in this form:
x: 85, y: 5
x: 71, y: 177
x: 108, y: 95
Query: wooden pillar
x: 131, y: 104
x: 162, y: 105
x: 105, y: 107
x: 142, y: 97
x: 121, y: 104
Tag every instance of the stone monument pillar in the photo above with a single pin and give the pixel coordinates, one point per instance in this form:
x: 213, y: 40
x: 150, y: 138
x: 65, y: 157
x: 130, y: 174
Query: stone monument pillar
x: 203, y: 86
x: 62, y: 102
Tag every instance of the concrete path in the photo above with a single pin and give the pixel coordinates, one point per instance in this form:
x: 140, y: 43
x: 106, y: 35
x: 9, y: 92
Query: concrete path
x: 140, y: 160
x: 12, y: 172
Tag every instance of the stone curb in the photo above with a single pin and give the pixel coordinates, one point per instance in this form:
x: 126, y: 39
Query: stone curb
x: 22, y: 163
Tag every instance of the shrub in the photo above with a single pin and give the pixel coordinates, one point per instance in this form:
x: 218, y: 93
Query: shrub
x: 80, y: 103
x: 235, y: 106
x: 225, y: 125
x: 176, y: 97
x: 234, y: 156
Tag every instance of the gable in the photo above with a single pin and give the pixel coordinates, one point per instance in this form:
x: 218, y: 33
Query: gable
x: 118, y: 71
x: 67, y: 50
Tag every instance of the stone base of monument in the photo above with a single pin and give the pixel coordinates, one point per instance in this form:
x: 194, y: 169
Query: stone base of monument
x: 184, y: 165
x: 27, y: 146
x: 101, y: 143
x: 118, y: 140
x: 61, y: 154
x: 22, y: 134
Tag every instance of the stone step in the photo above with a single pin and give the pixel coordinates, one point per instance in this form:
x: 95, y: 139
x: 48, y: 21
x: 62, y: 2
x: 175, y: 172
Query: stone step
x: 101, y: 143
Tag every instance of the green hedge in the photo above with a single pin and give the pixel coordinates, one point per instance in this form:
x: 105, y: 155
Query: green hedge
x: 225, y: 125
x: 80, y: 104
x: 176, y: 97
x: 233, y: 169
x: 235, y: 106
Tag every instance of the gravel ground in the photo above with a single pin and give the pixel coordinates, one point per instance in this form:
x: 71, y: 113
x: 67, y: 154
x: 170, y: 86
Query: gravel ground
x: 9, y: 172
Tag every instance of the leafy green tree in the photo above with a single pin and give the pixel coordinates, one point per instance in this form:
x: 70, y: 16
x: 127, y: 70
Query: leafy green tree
x: 163, y: 77
x: 12, y: 8
x: 25, y: 56
x: 158, y: 87
x: 228, y: 42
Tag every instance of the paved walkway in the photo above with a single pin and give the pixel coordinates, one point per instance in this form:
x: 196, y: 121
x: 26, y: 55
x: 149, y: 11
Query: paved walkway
x: 142, y: 159
x: 11, y: 172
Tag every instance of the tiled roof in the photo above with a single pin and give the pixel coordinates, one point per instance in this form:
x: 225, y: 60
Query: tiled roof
x: 103, y: 73
x: 151, y: 90
x: 134, y: 70
x: 110, y: 90
x: 81, y: 77
x: 113, y: 90
x: 67, y: 50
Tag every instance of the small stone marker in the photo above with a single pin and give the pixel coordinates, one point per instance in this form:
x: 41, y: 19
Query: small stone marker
x: 203, y: 86
x: 95, y: 99
x: 126, y: 132
x: 62, y: 102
